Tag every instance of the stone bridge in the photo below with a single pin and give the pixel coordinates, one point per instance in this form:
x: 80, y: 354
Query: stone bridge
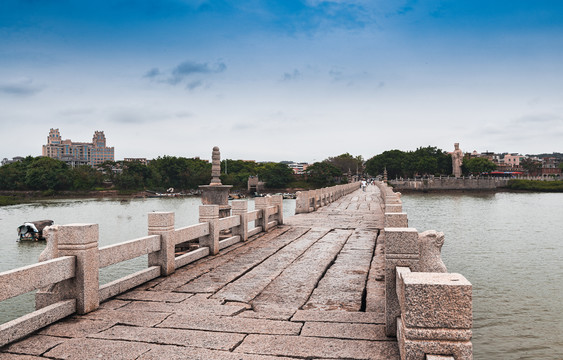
x: 311, y: 286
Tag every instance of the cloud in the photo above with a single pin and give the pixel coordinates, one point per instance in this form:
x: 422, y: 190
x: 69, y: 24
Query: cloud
x: 296, y: 74
x: 152, y: 73
x: 188, y: 72
x: 194, y: 84
x: 189, y: 68
x: 21, y: 88
x: 336, y: 75
x: 538, y: 119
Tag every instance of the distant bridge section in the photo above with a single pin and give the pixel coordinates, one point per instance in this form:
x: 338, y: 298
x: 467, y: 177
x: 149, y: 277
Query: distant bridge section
x: 448, y: 183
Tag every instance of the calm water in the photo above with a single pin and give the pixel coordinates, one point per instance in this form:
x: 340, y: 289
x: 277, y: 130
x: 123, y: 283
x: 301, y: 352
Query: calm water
x: 509, y: 246
x: 118, y: 221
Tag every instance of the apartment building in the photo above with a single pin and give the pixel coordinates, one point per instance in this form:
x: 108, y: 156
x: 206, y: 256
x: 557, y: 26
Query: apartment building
x: 78, y: 153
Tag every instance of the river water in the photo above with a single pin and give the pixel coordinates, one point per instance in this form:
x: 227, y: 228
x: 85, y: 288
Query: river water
x: 510, y: 247
x: 118, y: 221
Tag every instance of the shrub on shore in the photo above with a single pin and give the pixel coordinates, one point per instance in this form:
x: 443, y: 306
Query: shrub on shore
x: 535, y: 185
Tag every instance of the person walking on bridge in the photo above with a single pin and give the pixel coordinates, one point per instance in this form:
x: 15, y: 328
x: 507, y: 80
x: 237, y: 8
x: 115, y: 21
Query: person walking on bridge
x: 364, y: 185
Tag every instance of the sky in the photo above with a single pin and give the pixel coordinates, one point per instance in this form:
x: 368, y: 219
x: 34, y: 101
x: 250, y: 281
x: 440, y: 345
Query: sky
x: 298, y: 80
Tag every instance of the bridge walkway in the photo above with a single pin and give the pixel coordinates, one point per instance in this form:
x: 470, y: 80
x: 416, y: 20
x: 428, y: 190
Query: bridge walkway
x: 309, y: 289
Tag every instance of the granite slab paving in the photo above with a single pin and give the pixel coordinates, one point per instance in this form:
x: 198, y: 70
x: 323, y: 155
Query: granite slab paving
x: 309, y: 289
x: 294, y: 285
x: 251, y: 284
x: 343, y: 284
x: 215, y: 280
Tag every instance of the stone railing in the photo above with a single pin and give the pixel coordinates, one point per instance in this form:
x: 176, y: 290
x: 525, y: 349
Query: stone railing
x: 309, y: 201
x: 428, y: 309
x: 449, y: 183
x: 68, y: 271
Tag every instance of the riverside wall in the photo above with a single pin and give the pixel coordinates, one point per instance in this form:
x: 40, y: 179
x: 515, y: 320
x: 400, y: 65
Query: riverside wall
x: 439, y: 184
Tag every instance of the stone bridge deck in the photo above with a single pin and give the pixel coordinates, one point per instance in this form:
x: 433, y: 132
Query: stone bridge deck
x: 309, y: 289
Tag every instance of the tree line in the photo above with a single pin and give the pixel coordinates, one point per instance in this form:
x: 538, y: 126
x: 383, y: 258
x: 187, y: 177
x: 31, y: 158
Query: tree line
x: 180, y: 173
x: 424, y: 161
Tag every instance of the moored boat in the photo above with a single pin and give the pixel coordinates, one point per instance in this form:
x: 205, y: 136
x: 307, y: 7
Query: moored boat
x: 33, y: 230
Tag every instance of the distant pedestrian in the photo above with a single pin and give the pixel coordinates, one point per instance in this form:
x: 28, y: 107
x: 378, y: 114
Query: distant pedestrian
x: 364, y: 184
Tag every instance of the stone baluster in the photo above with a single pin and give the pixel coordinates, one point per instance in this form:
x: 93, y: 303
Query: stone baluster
x: 302, y: 202
x: 210, y: 214
x: 262, y: 203
x: 80, y: 241
x: 312, y: 200
x: 277, y: 200
x: 162, y: 224
x: 436, y: 315
x: 401, y: 249
x: 240, y: 208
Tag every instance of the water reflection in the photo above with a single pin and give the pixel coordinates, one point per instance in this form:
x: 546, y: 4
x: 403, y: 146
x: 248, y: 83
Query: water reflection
x: 508, y: 245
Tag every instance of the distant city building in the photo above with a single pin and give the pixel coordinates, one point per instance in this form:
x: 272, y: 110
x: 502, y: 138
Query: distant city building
x: 550, y: 167
x: 78, y: 153
x: 5, y: 161
x: 143, y: 161
x: 298, y: 168
x: 513, y: 160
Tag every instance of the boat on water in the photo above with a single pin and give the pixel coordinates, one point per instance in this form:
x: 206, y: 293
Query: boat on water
x: 33, y: 230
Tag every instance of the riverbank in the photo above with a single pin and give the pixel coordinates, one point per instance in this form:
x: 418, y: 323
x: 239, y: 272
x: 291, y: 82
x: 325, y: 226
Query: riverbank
x: 25, y: 197
x: 475, y: 185
x: 535, y: 185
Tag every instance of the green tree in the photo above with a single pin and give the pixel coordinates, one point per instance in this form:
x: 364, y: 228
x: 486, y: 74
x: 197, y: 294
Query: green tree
x: 12, y: 176
x: 44, y: 173
x: 532, y: 166
x: 430, y: 161
x: 86, y: 178
x: 199, y: 173
x: 169, y: 171
x: 323, y: 174
x: 347, y: 162
x: 478, y: 165
x: 424, y: 161
x: 395, y: 161
x: 236, y: 172
x: 106, y: 168
x: 134, y: 176
x: 275, y: 175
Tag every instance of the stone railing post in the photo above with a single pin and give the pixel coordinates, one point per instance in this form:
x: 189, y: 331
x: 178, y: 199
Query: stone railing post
x: 395, y: 219
x: 436, y: 315
x: 262, y: 203
x: 162, y: 224
x: 401, y: 249
x: 210, y: 215
x: 277, y: 200
x: 80, y: 241
x: 302, y: 202
x: 312, y: 200
x: 240, y: 208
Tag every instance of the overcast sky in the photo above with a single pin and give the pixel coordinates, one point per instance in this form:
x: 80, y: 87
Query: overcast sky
x: 282, y: 80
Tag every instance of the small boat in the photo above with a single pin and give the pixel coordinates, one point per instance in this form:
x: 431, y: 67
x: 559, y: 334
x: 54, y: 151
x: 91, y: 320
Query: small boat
x: 33, y: 230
